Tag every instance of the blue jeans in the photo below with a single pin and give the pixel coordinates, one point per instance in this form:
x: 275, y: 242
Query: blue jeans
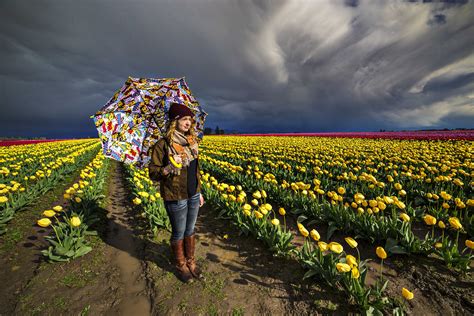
x: 183, y: 215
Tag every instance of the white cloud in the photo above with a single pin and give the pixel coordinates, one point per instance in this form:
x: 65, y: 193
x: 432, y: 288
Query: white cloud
x: 429, y: 115
x: 460, y: 67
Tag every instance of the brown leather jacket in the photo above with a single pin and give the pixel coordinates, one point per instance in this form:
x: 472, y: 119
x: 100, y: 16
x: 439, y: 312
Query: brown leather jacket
x: 172, y: 187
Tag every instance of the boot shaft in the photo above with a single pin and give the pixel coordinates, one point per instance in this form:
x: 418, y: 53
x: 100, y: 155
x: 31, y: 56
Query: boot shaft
x: 189, y: 246
x: 180, y: 261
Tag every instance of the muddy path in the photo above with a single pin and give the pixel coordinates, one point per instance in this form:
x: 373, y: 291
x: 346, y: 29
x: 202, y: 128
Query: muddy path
x: 107, y: 281
x: 241, y: 277
x: 128, y: 250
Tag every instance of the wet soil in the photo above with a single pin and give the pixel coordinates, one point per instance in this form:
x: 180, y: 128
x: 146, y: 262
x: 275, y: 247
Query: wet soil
x: 130, y: 272
x: 241, y: 277
x: 20, y: 246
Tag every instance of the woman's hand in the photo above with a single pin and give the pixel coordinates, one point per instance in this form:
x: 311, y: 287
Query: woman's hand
x: 201, y: 200
x: 168, y: 169
x: 178, y: 158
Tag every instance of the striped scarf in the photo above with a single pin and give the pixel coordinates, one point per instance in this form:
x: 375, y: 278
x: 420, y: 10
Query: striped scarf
x: 184, y: 145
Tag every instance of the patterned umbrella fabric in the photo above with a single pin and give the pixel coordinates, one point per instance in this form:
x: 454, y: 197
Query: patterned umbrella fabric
x: 135, y: 118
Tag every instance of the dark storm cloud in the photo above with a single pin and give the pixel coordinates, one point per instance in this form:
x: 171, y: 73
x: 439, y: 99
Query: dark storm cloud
x: 255, y: 66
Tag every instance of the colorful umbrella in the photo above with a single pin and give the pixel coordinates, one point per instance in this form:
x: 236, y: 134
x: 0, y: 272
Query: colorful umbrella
x: 135, y: 118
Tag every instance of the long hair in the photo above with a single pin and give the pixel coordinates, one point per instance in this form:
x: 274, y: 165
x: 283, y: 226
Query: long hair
x: 171, y: 127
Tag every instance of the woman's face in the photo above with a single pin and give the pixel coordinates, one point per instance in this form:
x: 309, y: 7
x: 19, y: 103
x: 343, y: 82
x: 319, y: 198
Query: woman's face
x: 183, y: 124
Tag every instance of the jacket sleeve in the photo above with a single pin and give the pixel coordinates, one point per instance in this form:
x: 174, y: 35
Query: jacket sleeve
x: 155, y: 168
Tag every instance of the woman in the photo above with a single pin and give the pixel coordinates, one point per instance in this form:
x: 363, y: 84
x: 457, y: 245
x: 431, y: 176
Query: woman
x: 174, y: 164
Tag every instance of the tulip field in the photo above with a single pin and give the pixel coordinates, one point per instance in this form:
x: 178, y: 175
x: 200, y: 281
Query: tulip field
x: 375, y: 192
x: 386, y: 224
x: 28, y: 172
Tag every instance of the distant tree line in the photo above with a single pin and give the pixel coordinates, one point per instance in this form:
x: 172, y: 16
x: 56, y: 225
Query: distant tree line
x: 216, y: 131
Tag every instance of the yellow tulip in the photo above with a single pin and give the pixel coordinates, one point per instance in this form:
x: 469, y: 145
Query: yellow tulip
x: 400, y: 204
x: 3, y: 199
x: 268, y: 207
x: 275, y: 222
x: 77, y: 199
x: 469, y: 244
x: 303, y: 230
x: 351, y: 242
x: 455, y: 223
x: 335, y: 247
x: 355, y: 273
x: 341, y: 190
x: 144, y: 194
x: 381, y: 253
x: 282, y: 211
x: 322, y: 246
x: 441, y: 225
x: 254, y: 202
x: 257, y: 195
x: 58, y: 208
x: 49, y: 213
x: 405, y: 217
x: 373, y: 203
x: 246, y: 206
x: 315, y: 235
x: 429, y: 220
x: 137, y: 201
x: 258, y: 214
x: 438, y: 245
x: 351, y: 260
x: 75, y: 221
x: 388, y: 200
x: 407, y: 294
x: 44, y: 222
x: 343, y: 267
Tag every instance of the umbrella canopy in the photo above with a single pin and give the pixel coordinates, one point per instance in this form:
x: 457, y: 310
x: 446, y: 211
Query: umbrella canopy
x: 135, y: 118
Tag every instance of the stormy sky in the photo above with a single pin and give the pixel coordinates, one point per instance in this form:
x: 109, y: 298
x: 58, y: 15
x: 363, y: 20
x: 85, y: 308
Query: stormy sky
x: 254, y: 66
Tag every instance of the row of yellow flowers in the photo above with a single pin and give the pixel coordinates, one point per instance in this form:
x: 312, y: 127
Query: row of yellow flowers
x: 33, y: 161
x: 305, y: 187
x: 372, y: 206
x: 71, y: 225
x: 442, y: 161
x: 146, y: 197
x: 15, y: 195
x: 328, y: 259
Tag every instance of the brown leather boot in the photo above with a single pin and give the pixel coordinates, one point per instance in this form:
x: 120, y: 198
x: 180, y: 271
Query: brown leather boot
x: 180, y: 261
x: 189, y: 246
